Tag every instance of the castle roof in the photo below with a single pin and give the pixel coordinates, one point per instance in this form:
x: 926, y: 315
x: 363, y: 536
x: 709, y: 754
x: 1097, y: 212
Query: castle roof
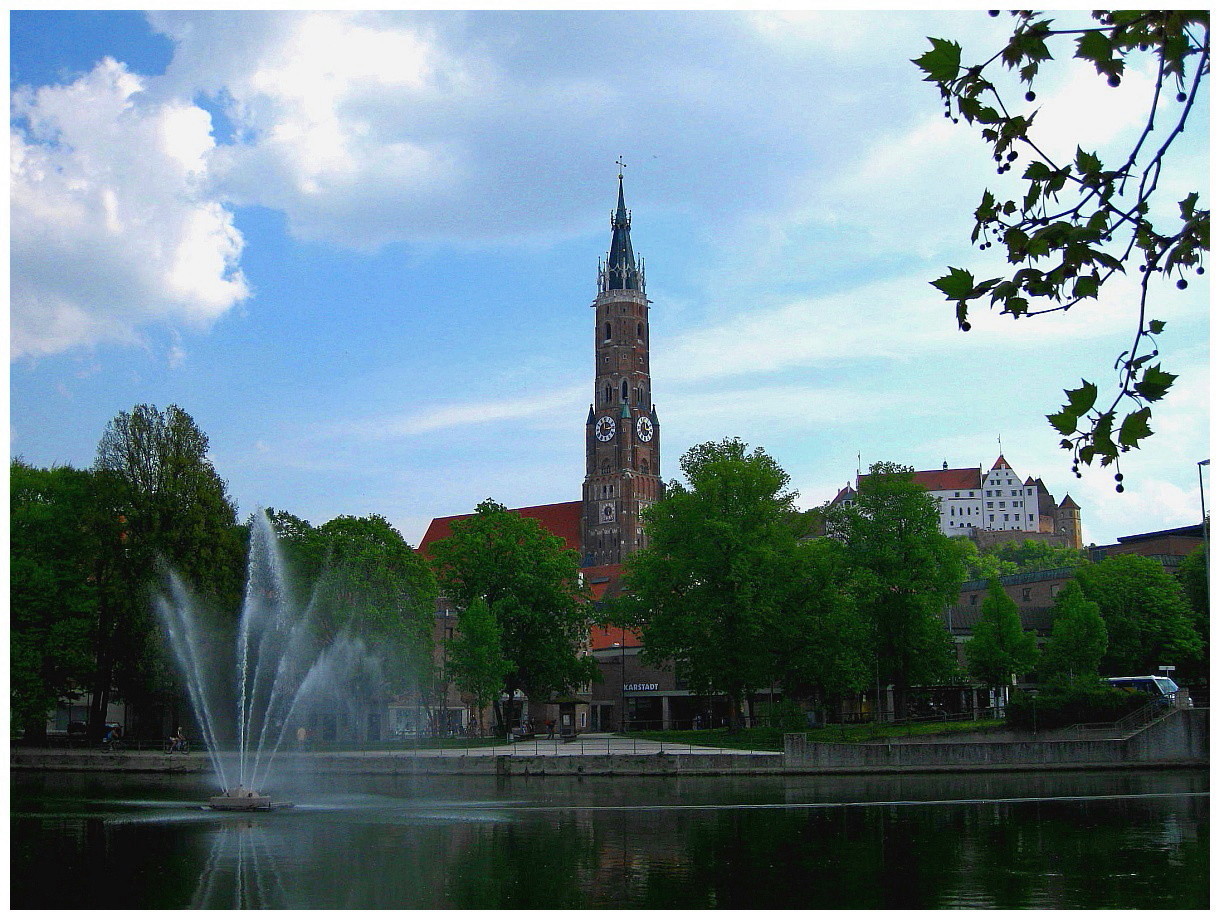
x: 1068, y: 503
x: 1001, y: 463
x: 943, y: 480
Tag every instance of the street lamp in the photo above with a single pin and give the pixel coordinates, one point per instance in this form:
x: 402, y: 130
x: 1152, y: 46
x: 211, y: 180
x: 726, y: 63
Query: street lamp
x: 1202, y: 503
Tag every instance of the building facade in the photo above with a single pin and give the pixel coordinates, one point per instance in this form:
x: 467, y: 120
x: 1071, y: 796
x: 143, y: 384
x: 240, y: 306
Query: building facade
x: 995, y: 506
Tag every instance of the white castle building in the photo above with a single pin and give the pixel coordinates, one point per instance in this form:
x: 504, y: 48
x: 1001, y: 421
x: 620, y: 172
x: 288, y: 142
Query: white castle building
x: 994, y: 506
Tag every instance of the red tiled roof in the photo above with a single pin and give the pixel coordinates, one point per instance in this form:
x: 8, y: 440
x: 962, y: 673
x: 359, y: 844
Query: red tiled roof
x: 561, y: 519
x: 940, y: 480
x: 1000, y: 462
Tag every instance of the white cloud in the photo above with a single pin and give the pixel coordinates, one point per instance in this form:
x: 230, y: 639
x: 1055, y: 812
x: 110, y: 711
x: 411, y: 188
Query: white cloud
x: 112, y: 225
x: 462, y: 415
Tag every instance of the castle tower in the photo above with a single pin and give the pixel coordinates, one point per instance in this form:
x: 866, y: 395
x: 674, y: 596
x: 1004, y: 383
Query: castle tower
x: 622, y: 434
x: 1067, y: 520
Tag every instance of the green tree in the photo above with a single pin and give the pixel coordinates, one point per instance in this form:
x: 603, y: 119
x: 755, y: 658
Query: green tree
x: 531, y: 583
x: 1035, y: 556
x: 998, y: 648
x: 1080, y: 222
x: 821, y: 644
x: 163, y: 503
x: 475, y: 661
x: 981, y: 564
x: 907, y: 572
x: 375, y: 587
x: 721, y: 589
x: 1148, y: 621
x: 1077, y: 641
x: 52, y: 594
x: 1193, y: 576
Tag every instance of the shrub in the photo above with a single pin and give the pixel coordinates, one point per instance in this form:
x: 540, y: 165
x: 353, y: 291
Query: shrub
x: 1070, y: 704
x: 786, y: 715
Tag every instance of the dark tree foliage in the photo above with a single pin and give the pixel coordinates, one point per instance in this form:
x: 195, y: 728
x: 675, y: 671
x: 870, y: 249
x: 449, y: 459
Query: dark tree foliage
x: 373, y: 586
x: 1148, y: 621
x: 474, y: 657
x: 725, y: 591
x: 1193, y: 576
x: 531, y: 584
x: 53, y: 592
x: 1078, y: 639
x: 998, y: 648
x: 907, y: 572
x: 1082, y: 221
x: 162, y: 503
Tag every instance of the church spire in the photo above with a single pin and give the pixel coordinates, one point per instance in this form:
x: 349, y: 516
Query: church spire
x: 621, y: 272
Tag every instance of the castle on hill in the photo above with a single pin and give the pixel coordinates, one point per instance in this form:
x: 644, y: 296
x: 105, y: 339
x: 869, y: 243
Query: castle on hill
x: 994, y: 507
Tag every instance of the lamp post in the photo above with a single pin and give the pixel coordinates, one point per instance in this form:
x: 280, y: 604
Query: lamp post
x: 1202, y: 502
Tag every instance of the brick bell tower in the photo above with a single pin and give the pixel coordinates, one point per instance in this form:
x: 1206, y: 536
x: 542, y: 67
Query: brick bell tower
x: 622, y: 434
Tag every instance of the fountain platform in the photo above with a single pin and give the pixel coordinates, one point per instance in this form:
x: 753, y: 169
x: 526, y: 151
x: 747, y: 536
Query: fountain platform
x: 242, y: 799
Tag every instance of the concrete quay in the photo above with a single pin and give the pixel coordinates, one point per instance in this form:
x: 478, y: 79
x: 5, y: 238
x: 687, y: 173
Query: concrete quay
x: 1179, y: 740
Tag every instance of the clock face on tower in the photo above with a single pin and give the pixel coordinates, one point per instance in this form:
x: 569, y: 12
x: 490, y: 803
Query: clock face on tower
x: 643, y: 428
x: 604, y: 429
x: 607, y: 511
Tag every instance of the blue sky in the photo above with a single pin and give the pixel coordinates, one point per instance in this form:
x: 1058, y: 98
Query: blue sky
x: 359, y: 249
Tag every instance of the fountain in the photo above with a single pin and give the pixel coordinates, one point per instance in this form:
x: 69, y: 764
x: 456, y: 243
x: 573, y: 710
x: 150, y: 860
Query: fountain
x: 277, y: 668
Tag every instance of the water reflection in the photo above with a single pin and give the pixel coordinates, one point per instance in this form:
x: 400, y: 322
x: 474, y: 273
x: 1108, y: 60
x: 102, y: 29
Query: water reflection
x: 1004, y: 841
x: 241, y: 872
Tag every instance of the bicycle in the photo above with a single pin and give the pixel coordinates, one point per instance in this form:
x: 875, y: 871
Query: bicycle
x: 112, y: 745
x: 177, y: 746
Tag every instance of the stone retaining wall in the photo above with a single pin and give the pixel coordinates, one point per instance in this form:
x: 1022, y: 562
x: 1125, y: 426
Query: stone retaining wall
x: 1181, y: 739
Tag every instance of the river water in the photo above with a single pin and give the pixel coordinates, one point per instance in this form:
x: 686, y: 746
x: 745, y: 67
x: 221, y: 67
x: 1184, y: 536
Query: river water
x: 1016, y: 840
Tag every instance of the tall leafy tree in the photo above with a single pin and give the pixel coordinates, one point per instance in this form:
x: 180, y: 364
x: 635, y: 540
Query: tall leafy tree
x: 822, y: 646
x: 474, y: 657
x: 722, y: 572
x: 998, y: 648
x: 1080, y: 221
x: 1148, y: 621
x: 1193, y: 576
x: 531, y: 584
x: 53, y: 594
x: 906, y: 573
x: 1078, y: 638
x: 162, y: 503
x: 375, y: 587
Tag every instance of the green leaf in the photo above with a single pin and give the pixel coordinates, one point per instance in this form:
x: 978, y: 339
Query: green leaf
x: 1037, y: 170
x: 942, y: 63
x: 1081, y: 400
x: 1156, y: 326
x: 1135, y: 427
x: 1064, y: 422
x: 956, y: 285
x: 1187, y: 205
x: 1095, y: 47
x: 1086, y: 286
x: 1155, y: 383
x: 1087, y: 164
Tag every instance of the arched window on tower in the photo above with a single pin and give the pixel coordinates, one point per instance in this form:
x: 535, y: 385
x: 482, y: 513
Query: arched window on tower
x: 606, y: 335
x: 624, y: 391
x: 639, y: 331
x: 609, y: 395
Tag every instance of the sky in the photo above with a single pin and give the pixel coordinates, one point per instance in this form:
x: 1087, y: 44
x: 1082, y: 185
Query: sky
x: 359, y: 249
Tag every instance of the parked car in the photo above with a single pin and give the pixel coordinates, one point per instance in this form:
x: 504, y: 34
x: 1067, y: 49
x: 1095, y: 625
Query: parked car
x: 77, y: 728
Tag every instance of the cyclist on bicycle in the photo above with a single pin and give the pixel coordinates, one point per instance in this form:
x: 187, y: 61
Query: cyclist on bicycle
x: 177, y: 741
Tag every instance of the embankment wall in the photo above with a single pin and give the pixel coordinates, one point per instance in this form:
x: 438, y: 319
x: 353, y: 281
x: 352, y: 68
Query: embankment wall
x: 1181, y: 739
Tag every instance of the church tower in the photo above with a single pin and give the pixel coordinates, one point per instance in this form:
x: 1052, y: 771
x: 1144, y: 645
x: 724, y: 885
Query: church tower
x: 622, y: 435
